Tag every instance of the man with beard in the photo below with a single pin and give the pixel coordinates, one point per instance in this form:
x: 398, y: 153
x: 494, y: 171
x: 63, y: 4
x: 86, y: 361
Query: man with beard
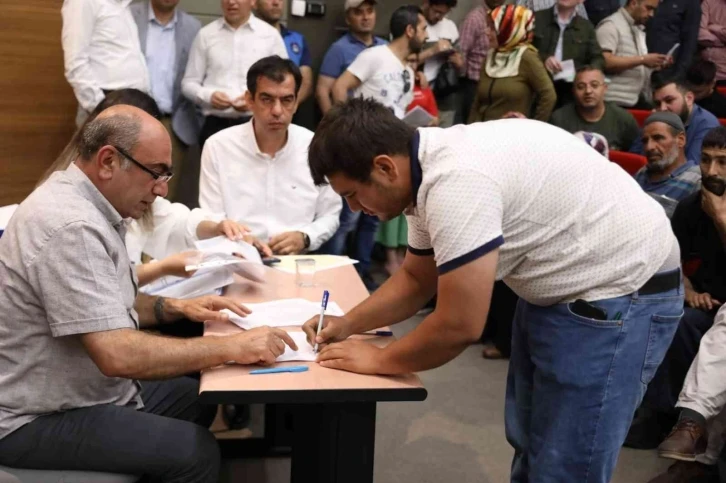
x: 591, y: 113
x: 700, y: 226
x: 669, y: 176
x: 674, y: 95
x: 382, y: 73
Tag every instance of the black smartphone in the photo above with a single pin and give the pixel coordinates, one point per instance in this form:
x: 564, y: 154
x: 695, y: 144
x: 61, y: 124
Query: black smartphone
x: 270, y: 260
x: 715, y: 185
x: 586, y: 309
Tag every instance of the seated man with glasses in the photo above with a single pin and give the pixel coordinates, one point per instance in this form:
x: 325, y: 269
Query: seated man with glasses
x: 589, y: 112
x: 257, y: 173
x: 83, y: 387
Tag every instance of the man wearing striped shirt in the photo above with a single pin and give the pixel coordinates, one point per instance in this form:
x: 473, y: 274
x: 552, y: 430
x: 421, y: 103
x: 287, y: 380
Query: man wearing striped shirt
x: 669, y: 176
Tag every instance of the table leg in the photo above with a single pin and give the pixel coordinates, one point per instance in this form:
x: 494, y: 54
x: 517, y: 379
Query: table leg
x: 333, y: 443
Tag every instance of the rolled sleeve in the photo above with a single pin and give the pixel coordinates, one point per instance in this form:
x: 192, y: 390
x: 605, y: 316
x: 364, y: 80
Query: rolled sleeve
x: 79, y: 285
x: 327, y: 217
x: 463, y: 218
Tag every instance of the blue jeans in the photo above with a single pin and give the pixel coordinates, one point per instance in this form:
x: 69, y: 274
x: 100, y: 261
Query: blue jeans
x: 574, y: 383
x: 365, y: 240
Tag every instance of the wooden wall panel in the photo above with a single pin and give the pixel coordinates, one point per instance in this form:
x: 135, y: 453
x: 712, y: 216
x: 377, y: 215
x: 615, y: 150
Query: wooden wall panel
x: 37, y: 107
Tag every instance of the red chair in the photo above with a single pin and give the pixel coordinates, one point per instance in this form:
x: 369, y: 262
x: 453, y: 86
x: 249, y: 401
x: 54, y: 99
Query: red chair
x: 628, y: 161
x: 722, y: 121
x: 722, y: 90
x: 640, y: 115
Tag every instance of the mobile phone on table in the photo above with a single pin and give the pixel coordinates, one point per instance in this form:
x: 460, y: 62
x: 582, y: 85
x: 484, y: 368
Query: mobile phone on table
x: 270, y: 260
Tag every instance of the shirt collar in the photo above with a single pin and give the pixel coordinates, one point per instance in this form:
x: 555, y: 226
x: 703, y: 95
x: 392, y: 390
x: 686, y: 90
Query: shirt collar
x: 152, y: 18
x: 416, y: 172
x: 353, y: 40
x: 252, y: 140
x: 89, y: 191
x: 560, y: 22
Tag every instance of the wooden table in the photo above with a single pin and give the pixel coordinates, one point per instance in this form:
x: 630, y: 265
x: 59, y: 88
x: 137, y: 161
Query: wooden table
x: 334, y: 412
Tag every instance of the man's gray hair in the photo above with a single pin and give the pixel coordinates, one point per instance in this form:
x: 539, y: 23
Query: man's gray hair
x: 121, y: 130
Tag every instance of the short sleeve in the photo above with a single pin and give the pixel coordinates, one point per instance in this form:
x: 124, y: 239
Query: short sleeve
x: 607, y: 37
x: 78, y: 282
x: 418, y: 239
x: 332, y: 62
x: 363, y: 67
x: 463, y: 217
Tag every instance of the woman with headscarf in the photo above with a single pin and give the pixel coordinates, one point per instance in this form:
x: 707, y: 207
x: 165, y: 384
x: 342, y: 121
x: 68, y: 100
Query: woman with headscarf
x: 513, y: 77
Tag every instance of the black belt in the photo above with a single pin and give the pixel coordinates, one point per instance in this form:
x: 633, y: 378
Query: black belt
x: 661, y: 282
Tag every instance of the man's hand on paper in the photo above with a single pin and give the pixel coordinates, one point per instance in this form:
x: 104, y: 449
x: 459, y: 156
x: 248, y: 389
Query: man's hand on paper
x: 335, y: 329
x: 175, y: 264
x: 220, y: 100
x: 232, y: 230
x: 351, y: 355
x: 553, y: 65
x: 261, y: 345
x: 288, y: 243
x: 203, y: 308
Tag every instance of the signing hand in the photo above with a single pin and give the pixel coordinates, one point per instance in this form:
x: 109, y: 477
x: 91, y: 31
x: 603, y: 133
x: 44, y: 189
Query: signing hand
x: 351, y: 355
x: 232, y: 230
x: 220, y: 100
x: 261, y: 345
x: 702, y: 301
x: 553, y: 65
x: 205, y: 308
x: 288, y: 243
x: 335, y: 329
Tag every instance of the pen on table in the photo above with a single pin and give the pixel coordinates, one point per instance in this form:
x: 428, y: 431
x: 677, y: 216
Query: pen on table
x: 278, y: 370
x: 323, y: 306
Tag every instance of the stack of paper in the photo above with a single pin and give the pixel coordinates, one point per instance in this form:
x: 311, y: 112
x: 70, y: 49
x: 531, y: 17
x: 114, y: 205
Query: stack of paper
x: 239, y: 256
x: 322, y: 262
x: 219, y: 258
x: 282, y: 313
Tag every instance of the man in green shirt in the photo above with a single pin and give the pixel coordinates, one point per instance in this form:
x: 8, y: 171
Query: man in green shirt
x: 591, y: 113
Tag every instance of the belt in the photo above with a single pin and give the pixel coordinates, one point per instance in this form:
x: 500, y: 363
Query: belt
x: 661, y: 282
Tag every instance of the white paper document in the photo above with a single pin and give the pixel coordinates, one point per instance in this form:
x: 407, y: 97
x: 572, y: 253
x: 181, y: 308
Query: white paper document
x: 281, y: 313
x: 418, y: 117
x: 567, y: 73
x: 220, y: 252
x: 304, y: 350
x: 200, y: 284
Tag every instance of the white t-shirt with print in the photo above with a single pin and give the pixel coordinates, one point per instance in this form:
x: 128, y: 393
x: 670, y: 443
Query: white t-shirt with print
x: 444, y: 29
x: 383, y: 78
x: 568, y: 223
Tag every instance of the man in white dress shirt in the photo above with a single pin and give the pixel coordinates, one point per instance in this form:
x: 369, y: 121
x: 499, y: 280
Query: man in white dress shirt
x: 221, y: 55
x: 101, y: 51
x: 381, y: 72
x: 258, y: 171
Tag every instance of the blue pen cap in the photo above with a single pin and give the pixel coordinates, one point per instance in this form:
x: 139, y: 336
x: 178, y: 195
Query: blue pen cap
x: 326, y: 294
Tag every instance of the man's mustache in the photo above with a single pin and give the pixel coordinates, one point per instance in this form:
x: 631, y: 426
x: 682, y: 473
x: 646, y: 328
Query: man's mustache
x: 714, y: 184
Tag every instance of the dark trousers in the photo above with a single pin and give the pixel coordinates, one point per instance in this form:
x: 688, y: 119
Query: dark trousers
x: 663, y: 390
x: 468, y: 93
x: 166, y: 441
x: 213, y: 124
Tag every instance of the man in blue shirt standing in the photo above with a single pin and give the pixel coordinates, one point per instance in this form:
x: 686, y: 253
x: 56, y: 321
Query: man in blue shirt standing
x: 672, y: 94
x: 297, y: 47
x: 360, y: 15
x: 166, y: 34
x: 669, y: 176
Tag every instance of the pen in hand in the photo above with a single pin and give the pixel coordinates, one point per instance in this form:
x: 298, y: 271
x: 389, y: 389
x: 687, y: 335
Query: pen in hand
x: 323, y: 306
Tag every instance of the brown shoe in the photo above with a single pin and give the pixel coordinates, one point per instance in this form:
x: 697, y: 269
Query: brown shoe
x: 687, y: 440
x: 686, y: 472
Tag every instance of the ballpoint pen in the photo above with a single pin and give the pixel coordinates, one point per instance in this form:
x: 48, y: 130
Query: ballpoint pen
x: 323, y: 306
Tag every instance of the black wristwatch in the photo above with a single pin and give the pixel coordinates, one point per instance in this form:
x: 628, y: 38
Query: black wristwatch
x: 306, y: 240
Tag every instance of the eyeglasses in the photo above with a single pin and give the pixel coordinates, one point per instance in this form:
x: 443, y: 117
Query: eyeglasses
x: 158, y: 177
x: 406, y: 81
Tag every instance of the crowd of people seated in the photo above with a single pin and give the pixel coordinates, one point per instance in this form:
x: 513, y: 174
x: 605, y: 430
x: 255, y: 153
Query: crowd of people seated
x: 151, y: 82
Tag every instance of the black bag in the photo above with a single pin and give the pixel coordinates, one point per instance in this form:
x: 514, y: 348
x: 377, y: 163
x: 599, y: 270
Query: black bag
x: 447, y: 80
